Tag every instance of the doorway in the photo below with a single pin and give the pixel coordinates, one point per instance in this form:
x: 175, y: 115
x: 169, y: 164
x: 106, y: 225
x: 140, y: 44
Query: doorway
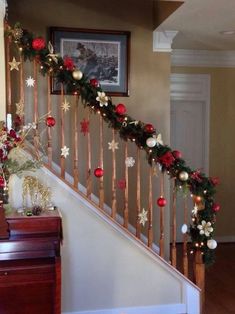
x: 190, y: 104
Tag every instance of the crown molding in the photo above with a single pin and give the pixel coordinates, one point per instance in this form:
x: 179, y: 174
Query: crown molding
x: 162, y: 41
x: 203, y: 58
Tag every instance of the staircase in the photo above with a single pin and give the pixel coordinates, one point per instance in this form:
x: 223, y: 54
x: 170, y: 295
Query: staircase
x: 120, y: 253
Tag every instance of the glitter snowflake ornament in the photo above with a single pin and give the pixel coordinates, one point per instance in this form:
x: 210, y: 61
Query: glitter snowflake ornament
x: 30, y: 82
x: 143, y: 217
x: 205, y: 228
x: 64, y: 151
x: 102, y: 99
x: 113, y: 145
x: 130, y: 161
x: 65, y: 105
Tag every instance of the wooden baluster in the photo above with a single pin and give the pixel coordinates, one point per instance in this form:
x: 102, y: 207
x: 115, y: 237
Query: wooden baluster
x: 185, y: 240
x: 173, y: 248
x: 88, y: 180
x: 22, y: 96
x: 138, y: 196
x: 161, y: 242
x: 8, y: 76
x: 49, y: 136
x: 101, y: 198
x: 199, y: 273
x: 35, y: 93
x: 150, y: 211
x: 125, y: 214
x: 114, y: 192
x: 62, y: 159
x: 75, y: 158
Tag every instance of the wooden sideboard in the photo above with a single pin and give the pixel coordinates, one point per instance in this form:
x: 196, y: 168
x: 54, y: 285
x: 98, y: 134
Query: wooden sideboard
x: 30, y: 265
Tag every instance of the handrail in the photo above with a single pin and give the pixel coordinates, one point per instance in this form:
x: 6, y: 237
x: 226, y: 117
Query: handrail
x: 74, y: 82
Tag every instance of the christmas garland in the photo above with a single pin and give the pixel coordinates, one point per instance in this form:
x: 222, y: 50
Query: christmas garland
x: 201, y: 187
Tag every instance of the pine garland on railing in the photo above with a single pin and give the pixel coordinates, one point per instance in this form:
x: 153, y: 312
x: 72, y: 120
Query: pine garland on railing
x: 144, y: 135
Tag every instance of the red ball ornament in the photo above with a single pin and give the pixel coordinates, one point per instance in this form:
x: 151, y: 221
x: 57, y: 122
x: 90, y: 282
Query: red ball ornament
x: 161, y: 201
x: 50, y: 121
x: 94, y: 82
x: 149, y: 128
x: 99, y: 172
x: 38, y: 44
x: 120, y: 109
x: 177, y: 154
x: 216, y: 207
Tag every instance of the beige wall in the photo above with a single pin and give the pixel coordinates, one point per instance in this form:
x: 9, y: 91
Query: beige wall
x: 149, y: 72
x: 222, y: 132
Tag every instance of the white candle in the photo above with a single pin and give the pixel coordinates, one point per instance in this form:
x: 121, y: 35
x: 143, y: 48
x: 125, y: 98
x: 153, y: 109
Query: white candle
x: 9, y: 121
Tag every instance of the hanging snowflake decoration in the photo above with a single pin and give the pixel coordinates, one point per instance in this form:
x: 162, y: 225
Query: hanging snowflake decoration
x: 130, y: 161
x: 65, y: 105
x: 205, y: 228
x: 64, y: 151
x: 102, y: 99
x: 30, y: 81
x: 113, y: 145
x: 195, y: 210
x: 84, y: 126
x: 143, y: 217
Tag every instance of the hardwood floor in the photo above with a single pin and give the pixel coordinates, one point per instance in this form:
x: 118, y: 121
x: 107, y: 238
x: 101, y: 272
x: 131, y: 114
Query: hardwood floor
x: 220, y: 282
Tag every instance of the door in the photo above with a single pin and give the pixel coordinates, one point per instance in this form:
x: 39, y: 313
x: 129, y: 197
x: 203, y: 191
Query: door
x: 188, y: 132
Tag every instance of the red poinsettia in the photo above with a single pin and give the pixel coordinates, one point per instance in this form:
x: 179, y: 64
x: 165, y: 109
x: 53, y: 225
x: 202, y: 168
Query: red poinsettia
x: 215, y: 180
x: 38, y: 43
x: 196, y: 175
x: 68, y: 63
x: 167, y: 159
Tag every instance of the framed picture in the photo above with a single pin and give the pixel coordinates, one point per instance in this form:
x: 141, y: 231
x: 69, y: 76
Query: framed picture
x: 100, y: 54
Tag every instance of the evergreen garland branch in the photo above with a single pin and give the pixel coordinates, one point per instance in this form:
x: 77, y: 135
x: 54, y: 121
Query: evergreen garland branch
x: 197, y: 183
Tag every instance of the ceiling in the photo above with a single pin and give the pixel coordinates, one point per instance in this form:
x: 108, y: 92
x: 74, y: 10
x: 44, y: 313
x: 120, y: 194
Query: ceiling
x: 200, y: 22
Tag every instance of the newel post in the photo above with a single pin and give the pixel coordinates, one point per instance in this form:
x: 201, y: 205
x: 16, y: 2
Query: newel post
x: 2, y: 63
x: 199, y: 273
x: 4, y: 232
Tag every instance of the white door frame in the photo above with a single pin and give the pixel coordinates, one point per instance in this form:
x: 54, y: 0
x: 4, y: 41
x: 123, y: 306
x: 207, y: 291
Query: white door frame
x: 194, y: 87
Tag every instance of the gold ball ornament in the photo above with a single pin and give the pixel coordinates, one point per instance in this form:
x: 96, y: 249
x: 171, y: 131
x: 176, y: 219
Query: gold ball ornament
x: 183, y: 176
x: 77, y: 75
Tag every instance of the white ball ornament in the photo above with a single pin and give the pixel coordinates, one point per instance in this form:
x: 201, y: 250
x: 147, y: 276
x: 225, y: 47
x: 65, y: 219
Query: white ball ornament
x: 212, y: 244
x: 184, y: 228
x: 183, y: 176
x: 77, y: 75
x: 151, y: 142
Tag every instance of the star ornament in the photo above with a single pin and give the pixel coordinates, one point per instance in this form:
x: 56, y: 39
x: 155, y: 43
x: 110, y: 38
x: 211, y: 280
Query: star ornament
x: 64, y: 151
x: 129, y: 162
x: 65, y: 105
x: 143, y: 217
x: 102, y: 99
x: 84, y: 126
x: 113, y: 145
x: 30, y: 81
x: 14, y: 65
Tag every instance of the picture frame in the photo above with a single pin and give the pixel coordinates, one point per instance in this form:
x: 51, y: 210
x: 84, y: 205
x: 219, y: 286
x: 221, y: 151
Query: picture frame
x: 100, y: 54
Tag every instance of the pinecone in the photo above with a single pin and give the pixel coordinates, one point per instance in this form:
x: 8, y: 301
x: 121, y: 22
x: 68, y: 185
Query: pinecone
x: 36, y: 210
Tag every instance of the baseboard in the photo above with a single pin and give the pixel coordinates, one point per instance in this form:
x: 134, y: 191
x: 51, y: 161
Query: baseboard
x: 156, y: 309
x: 225, y: 239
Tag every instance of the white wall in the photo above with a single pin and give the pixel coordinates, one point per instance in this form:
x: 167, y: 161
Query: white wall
x: 102, y: 268
x: 2, y: 63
